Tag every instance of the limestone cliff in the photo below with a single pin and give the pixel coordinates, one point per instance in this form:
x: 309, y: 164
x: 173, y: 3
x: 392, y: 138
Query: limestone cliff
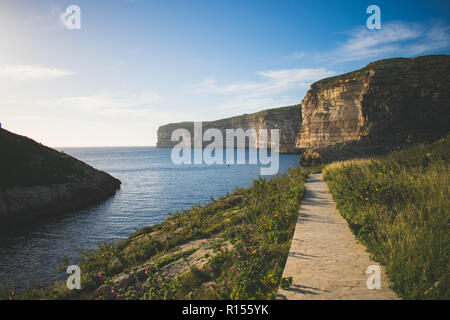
x: 37, y: 181
x: 378, y: 108
x: 286, y: 119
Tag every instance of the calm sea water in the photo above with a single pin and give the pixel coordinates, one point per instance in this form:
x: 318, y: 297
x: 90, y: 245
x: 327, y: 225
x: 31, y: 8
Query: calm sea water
x: 151, y: 187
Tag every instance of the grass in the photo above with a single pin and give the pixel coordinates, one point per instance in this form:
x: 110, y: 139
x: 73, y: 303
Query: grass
x: 398, y: 206
x: 249, y: 233
x: 24, y: 163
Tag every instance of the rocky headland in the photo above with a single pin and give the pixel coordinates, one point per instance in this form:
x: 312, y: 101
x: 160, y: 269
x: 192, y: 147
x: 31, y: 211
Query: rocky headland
x: 38, y: 181
x: 286, y: 119
x: 386, y: 105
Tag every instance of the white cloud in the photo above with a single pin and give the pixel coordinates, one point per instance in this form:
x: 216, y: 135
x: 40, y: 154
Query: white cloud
x: 287, y: 78
x: 107, y: 103
x: 244, y: 104
x: 393, y: 39
x: 275, y: 88
x: 274, y: 81
x: 32, y: 72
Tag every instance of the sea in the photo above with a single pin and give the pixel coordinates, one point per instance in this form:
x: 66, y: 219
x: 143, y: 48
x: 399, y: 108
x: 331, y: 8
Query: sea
x: 152, y: 187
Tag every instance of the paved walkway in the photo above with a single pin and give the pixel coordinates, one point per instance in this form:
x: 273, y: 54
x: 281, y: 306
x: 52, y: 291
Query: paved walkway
x: 325, y: 260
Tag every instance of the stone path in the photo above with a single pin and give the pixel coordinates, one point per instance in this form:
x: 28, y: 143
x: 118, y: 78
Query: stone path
x: 325, y: 260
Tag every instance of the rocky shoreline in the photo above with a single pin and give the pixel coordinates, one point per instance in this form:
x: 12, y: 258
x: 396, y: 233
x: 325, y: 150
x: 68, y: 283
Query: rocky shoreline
x: 38, y: 182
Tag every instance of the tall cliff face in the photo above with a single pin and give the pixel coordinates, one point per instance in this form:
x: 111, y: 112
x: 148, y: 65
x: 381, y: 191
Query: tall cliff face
x: 332, y: 114
x: 286, y: 119
x: 387, y: 103
x: 37, y: 181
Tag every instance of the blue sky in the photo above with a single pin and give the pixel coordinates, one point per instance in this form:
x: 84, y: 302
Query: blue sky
x: 135, y: 65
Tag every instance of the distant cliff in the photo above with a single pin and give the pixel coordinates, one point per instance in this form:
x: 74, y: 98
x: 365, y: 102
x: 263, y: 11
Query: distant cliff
x: 37, y: 181
x: 286, y: 119
x: 383, y: 106
x: 386, y: 105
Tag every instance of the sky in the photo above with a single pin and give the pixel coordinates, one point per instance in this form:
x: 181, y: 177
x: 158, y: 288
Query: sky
x: 137, y: 64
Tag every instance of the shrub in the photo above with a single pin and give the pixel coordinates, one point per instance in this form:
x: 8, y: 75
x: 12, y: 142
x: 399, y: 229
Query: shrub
x: 398, y: 207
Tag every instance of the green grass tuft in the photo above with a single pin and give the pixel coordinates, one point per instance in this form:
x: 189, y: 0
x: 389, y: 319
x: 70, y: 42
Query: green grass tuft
x: 398, y: 206
x: 249, y: 235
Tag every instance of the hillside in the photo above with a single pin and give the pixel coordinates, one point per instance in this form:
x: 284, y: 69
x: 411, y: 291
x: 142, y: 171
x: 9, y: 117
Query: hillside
x: 36, y: 180
x: 234, y: 247
x: 398, y: 207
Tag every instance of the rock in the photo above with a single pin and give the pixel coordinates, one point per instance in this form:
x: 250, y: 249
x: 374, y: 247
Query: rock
x: 104, y: 290
x: 310, y: 158
x: 385, y: 105
x: 124, y: 280
x: 171, y: 270
x: 38, y: 181
x: 286, y: 119
x: 115, y: 265
x: 382, y: 107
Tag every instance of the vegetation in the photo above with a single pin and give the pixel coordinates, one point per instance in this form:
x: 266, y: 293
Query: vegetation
x: 236, y: 247
x: 240, y: 243
x: 398, y: 206
x: 24, y: 163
